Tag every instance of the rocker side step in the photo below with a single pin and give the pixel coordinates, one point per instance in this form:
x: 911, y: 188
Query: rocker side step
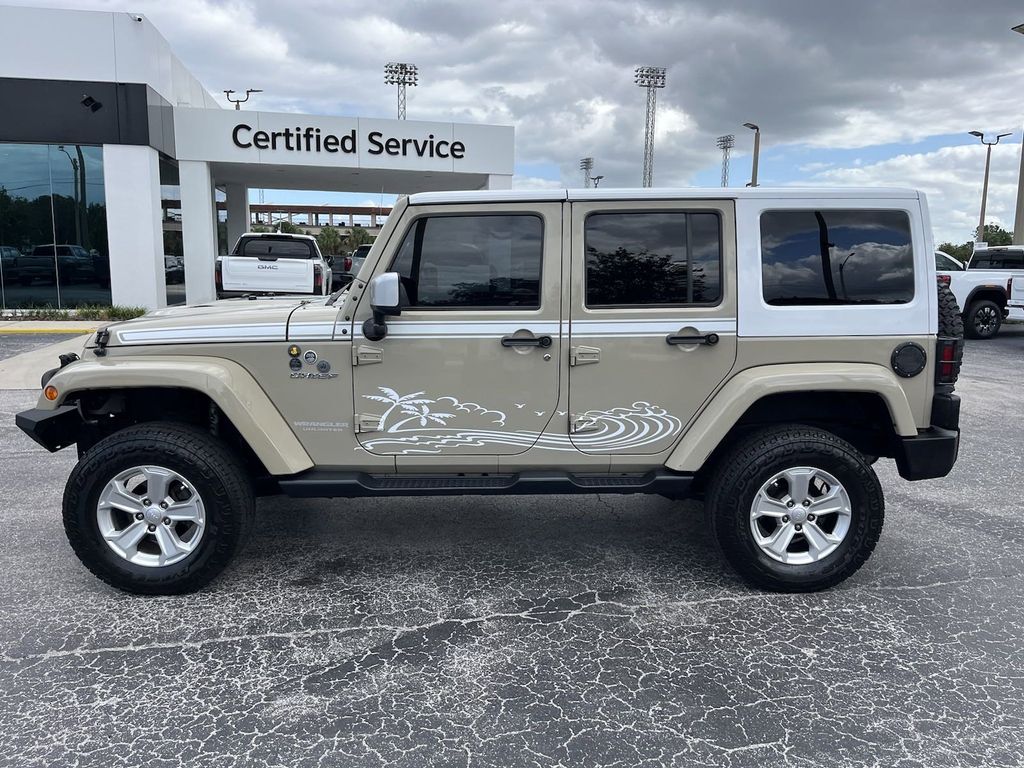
x: 320, y: 483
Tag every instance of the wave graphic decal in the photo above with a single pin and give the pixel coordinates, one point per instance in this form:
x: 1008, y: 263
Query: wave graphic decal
x: 618, y: 429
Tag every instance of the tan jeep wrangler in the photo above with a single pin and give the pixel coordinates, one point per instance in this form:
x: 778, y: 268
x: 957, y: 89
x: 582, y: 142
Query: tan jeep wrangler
x: 755, y: 348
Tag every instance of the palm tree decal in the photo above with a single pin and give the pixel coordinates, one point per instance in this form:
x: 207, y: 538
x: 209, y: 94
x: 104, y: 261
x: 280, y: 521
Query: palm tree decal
x: 418, y: 411
x: 395, y: 400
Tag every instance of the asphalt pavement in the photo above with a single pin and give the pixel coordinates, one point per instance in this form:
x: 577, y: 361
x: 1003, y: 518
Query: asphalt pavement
x: 547, y: 631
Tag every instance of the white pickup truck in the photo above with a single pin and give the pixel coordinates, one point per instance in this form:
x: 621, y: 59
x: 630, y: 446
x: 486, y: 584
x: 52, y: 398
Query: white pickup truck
x: 1016, y: 293
x: 273, y: 263
x: 982, y: 288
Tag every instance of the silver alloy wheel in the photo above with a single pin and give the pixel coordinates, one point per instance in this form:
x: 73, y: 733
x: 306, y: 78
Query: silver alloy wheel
x: 800, y: 515
x: 151, y: 516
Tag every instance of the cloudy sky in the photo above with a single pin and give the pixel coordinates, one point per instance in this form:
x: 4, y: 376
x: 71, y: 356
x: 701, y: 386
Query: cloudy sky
x: 867, y: 92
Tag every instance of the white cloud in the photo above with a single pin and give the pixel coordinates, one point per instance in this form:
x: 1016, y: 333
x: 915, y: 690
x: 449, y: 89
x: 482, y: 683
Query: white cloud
x: 952, y: 179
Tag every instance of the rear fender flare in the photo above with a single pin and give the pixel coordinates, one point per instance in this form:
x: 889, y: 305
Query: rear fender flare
x: 744, y: 389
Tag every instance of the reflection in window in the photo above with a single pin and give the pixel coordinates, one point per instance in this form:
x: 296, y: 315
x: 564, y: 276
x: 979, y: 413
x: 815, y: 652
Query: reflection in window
x: 53, y: 228
x: 668, y: 259
x: 472, y: 261
x: 836, y: 257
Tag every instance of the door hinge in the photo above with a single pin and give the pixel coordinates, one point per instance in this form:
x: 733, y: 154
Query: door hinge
x: 366, y: 422
x: 584, y: 355
x: 364, y: 355
x: 580, y: 424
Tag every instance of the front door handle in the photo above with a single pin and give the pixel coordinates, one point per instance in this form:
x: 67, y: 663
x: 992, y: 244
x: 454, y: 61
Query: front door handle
x: 525, y: 341
x: 710, y: 339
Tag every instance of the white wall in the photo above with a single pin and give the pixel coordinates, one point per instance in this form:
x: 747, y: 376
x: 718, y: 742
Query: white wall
x: 237, y: 199
x: 134, y: 229
x: 57, y: 44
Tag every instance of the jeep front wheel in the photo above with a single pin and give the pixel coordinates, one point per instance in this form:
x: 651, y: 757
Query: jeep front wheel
x: 795, y: 509
x: 157, y: 508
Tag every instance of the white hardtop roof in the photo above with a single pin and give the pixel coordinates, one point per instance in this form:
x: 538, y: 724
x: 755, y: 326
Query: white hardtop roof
x: 654, y: 193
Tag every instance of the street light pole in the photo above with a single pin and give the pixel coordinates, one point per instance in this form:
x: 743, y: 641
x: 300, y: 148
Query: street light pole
x: 984, y: 187
x: 1018, y: 218
x: 757, y: 152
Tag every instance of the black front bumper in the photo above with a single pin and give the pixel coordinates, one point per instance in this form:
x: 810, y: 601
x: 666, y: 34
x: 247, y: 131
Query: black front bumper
x: 54, y: 429
x: 932, y: 453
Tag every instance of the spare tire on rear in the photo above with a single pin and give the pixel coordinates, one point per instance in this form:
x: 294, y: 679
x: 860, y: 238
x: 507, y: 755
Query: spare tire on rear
x: 951, y: 322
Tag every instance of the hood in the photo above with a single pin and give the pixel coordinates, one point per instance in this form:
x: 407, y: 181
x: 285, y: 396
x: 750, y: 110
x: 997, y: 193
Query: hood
x: 218, y: 321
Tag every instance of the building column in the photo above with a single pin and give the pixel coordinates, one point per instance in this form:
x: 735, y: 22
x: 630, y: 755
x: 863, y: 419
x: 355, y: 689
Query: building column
x: 134, y: 226
x: 238, y: 212
x: 198, y: 230
x: 498, y: 181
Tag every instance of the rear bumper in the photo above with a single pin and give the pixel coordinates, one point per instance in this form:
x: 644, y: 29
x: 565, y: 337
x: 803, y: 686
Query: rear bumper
x: 54, y: 429
x: 932, y: 453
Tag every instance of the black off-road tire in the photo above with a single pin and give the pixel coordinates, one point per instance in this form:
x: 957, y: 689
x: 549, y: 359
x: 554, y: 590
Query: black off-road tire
x: 990, y: 330
x: 951, y: 323
x: 209, y: 465
x: 756, y: 459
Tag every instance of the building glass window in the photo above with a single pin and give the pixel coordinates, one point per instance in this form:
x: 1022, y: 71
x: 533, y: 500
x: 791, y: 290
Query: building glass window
x: 820, y: 257
x: 53, y: 226
x: 652, y: 259
x: 472, y: 262
x: 174, y: 249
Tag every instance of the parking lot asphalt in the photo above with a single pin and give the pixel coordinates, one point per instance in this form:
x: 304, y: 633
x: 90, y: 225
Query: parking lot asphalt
x: 590, y: 630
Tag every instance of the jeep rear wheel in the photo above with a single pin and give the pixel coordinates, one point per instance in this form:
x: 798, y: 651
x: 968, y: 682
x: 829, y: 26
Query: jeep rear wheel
x: 982, y: 319
x: 795, y: 509
x: 157, y: 508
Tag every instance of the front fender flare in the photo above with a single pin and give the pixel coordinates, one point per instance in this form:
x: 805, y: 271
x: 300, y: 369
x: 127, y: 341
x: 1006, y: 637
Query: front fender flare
x: 744, y: 389
x: 227, y: 383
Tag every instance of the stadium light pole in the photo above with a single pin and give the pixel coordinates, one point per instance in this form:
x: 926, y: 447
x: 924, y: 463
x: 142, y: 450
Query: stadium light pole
x: 757, y: 152
x: 587, y: 165
x: 397, y: 73
x: 650, y: 78
x: 1018, y: 218
x: 725, y: 143
x: 984, y: 187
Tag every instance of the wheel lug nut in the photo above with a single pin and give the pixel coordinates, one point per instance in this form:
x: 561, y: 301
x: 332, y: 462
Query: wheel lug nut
x: 167, y: 521
x: 810, y: 518
x: 146, y: 502
x: 139, y: 515
x: 785, y: 518
x: 152, y: 528
x: 163, y: 505
x: 789, y: 503
x: 807, y: 503
x: 799, y: 527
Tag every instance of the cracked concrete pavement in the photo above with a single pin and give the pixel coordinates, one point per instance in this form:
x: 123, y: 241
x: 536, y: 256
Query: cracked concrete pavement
x: 530, y: 631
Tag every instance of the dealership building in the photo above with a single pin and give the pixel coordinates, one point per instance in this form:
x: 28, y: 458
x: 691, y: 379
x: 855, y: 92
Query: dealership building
x: 103, y: 125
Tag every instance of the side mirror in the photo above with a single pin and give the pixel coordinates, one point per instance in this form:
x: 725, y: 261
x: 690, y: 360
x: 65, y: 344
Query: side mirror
x: 384, y: 300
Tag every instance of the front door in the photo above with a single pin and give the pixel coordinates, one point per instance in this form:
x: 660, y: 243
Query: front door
x: 470, y: 367
x: 652, y: 320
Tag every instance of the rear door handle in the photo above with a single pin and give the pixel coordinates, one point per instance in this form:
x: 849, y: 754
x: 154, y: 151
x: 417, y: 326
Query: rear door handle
x: 710, y: 339
x: 525, y: 341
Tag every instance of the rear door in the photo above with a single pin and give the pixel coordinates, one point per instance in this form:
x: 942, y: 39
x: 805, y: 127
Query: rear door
x: 470, y: 367
x: 652, y: 320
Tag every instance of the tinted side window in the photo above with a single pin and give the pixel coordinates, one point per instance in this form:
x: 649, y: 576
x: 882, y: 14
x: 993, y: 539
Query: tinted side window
x: 836, y: 257
x: 472, y: 261
x: 669, y: 258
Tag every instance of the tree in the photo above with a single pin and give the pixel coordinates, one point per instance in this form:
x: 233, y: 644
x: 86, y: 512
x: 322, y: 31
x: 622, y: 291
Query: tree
x: 994, y: 235
x: 330, y: 241
x: 358, y: 236
x: 286, y: 227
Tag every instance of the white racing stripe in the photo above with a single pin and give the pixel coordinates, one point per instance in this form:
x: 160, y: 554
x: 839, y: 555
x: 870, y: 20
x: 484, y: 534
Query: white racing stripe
x: 199, y: 334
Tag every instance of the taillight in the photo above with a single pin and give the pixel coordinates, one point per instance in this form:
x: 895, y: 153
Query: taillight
x: 1009, y: 287
x: 218, y: 278
x: 943, y: 280
x: 318, y: 278
x: 949, y: 352
x: 348, y: 263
